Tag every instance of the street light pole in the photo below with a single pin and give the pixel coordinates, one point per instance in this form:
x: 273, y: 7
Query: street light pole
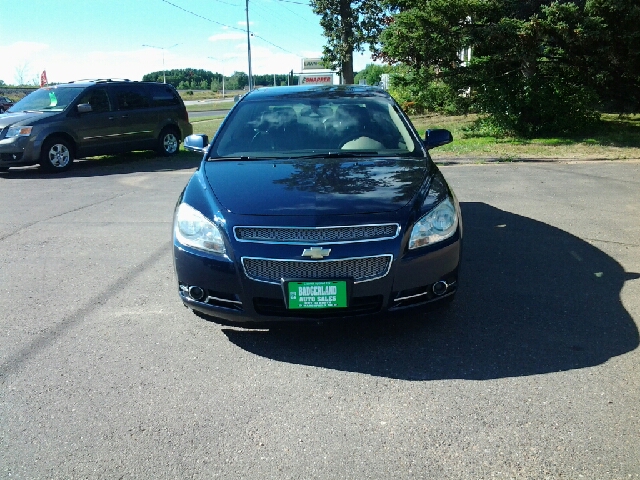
x: 249, y: 49
x: 164, y: 73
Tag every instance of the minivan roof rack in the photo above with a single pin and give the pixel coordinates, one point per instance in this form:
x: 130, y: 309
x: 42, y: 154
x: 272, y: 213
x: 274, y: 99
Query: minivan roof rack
x: 101, y: 80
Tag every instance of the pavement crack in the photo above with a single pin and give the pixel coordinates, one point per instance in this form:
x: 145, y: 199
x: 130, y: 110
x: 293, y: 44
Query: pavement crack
x: 31, y: 224
x: 15, y: 361
x: 611, y: 242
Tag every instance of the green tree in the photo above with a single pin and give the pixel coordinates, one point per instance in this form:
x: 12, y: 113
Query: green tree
x: 348, y: 26
x: 616, y: 54
x: 530, y: 68
x: 372, y: 73
x: 237, y: 81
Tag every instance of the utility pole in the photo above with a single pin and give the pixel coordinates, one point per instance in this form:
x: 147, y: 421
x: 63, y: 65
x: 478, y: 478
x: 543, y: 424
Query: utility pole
x: 249, y: 48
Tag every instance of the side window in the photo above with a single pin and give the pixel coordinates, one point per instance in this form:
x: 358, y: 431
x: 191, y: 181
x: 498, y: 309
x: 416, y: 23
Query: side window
x: 97, y: 98
x: 163, y: 96
x: 131, y: 97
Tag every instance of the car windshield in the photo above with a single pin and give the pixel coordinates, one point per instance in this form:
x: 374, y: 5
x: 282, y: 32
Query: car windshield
x: 47, y: 99
x: 286, y: 127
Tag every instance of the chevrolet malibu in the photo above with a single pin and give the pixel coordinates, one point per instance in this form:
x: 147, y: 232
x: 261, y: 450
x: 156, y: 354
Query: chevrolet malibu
x: 314, y: 203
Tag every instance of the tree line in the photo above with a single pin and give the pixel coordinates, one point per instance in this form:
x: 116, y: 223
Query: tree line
x: 533, y: 66
x: 199, y: 79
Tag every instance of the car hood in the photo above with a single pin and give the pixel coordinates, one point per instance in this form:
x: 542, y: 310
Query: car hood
x: 316, y: 187
x: 7, y: 119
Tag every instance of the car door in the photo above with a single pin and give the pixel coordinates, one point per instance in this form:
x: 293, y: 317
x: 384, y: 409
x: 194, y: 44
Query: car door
x: 96, y: 131
x: 135, y: 117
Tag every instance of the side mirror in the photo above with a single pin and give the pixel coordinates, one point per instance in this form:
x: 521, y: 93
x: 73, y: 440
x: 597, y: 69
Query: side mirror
x: 437, y: 138
x: 84, y: 108
x: 198, y: 142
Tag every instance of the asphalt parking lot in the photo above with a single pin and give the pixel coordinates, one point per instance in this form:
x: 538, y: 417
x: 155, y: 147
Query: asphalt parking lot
x: 533, y: 373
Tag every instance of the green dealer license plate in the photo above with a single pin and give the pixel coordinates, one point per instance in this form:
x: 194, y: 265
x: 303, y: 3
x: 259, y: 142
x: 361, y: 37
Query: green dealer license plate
x: 328, y: 294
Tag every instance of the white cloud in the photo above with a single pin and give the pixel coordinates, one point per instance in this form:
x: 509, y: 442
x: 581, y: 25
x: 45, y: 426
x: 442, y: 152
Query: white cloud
x: 74, y: 65
x: 22, y: 59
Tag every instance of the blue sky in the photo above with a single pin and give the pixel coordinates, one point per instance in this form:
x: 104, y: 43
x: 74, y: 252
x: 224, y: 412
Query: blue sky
x: 75, y: 39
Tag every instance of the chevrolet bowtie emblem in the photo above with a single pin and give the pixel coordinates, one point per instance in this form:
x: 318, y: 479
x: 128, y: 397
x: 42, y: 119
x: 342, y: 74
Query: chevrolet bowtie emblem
x: 316, y: 253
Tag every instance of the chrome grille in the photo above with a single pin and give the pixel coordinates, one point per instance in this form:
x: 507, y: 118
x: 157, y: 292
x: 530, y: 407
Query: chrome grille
x: 360, y: 269
x: 316, y: 235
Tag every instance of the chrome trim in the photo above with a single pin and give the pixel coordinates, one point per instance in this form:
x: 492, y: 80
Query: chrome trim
x: 185, y: 289
x: 316, y: 228
x: 387, y: 255
x: 237, y: 302
x: 316, y: 253
x: 422, y: 294
x: 113, y: 135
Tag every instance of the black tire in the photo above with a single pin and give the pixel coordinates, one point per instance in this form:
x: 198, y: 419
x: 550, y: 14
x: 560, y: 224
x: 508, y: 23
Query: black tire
x: 56, y: 155
x: 168, y: 142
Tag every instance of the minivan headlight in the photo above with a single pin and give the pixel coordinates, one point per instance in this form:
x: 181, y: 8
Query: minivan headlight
x: 193, y: 229
x: 19, y: 131
x: 437, y: 225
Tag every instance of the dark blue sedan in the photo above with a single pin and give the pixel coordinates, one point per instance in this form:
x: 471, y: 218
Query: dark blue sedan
x: 314, y: 203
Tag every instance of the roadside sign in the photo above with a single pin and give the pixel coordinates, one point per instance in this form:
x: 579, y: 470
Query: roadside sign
x: 319, y: 79
x: 313, y: 64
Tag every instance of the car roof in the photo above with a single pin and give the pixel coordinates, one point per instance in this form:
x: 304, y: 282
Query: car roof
x: 316, y: 91
x: 89, y: 82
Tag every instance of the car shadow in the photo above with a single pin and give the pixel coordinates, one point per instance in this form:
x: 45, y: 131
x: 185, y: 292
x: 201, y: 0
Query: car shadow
x: 533, y: 299
x: 132, y: 162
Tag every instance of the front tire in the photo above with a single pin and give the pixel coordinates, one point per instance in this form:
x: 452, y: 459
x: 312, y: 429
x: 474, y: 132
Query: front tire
x: 168, y: 142
x: 56, y: 155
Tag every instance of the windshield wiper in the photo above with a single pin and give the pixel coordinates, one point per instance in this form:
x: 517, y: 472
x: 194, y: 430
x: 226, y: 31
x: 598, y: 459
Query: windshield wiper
x: 337, y: 155
x: 240, y: 157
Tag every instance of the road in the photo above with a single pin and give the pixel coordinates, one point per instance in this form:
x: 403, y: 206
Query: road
x: 208, y: 113
x: 533, y: 373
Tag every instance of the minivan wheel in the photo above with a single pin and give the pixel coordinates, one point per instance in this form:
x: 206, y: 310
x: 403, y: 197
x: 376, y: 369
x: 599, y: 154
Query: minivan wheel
x: 168, y: 142
x: 56, y: 155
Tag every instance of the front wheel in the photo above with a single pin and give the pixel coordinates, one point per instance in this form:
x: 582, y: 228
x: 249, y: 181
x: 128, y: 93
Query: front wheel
x: 168, y: 142
x: 56, y: 155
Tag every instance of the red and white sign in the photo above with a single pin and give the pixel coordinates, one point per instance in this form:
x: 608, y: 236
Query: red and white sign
x: 321, y: 79
x: 43, y: 78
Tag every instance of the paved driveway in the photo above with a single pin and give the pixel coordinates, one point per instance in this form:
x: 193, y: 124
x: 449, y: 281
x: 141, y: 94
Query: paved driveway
x: 533, y: 373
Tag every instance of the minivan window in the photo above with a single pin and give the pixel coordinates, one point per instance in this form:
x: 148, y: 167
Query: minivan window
x: 98, y: 99
x: 163, y: 96
x: 130, y: 97
x: 54, y: 99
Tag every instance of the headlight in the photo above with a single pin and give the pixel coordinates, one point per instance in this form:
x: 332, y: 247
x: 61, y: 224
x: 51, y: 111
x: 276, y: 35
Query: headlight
x: 193, y: 229
x: 437, y: 225
x: 18, y: 131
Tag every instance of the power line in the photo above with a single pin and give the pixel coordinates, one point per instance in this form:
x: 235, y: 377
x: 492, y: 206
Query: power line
x: 204, y: 18
x: 292, y: 1
x: 256, y: 4
x: 230, y: 26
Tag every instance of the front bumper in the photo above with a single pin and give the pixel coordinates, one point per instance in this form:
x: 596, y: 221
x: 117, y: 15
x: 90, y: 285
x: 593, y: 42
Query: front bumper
x: 18, y: 151
x: 219, y: 287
